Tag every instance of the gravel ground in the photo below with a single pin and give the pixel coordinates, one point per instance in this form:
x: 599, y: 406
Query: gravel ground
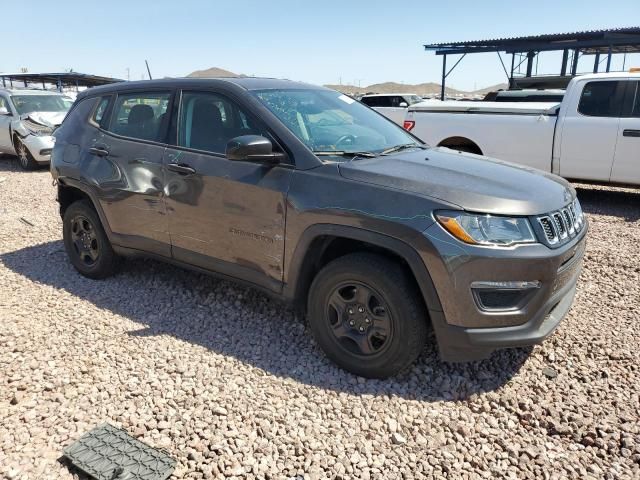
x: 231, y: 384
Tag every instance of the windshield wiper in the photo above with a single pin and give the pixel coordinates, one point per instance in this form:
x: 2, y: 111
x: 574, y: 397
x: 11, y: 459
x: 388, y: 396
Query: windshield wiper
x: 404, y: 146
x: 342, y: 153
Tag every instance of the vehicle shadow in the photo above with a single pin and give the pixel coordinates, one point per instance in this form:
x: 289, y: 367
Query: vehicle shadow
x: 623, y: 203
x: 9, y: 163
x: 243, y: 323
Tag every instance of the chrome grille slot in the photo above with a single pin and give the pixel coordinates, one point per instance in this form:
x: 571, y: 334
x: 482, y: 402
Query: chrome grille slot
x: 549, y: 229
x: 568, y: 221
x: 559, y: 221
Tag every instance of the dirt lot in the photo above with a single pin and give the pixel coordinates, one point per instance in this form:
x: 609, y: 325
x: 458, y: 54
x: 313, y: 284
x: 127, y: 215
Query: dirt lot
x: 231, y: 384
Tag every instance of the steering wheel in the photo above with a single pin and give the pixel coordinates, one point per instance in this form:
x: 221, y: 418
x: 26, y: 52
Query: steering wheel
x: 346, y: 139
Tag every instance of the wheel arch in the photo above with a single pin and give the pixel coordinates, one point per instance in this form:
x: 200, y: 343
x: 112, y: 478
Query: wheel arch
x: 322, y: 243
x: 70, y: 191
x: 461, y: 143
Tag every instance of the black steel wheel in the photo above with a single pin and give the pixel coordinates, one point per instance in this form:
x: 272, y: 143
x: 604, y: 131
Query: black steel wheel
x: 366, y: 313
x: 86, y: 242
x: 360, y: 319
x: 25, y: 158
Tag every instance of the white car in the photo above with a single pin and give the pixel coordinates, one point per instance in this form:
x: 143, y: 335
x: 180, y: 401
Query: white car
x: 27, y: 120
x: 391, y: 105
x: 592, y: 135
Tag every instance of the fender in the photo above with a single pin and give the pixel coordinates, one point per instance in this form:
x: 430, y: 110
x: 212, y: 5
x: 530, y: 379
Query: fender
x: 294, y: 288
x: 84, y: 188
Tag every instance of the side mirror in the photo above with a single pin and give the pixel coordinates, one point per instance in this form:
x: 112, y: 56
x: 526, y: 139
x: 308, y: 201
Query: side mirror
x: 4, y: 111
x: 252, y: 148
x: 403, y: 105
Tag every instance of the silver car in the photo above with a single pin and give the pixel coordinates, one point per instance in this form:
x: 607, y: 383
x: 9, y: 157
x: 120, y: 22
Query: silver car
x: 27, y: 120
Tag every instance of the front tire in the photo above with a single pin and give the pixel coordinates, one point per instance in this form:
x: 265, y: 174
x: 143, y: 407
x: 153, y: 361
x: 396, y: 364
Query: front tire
x: 366, y: 313
x: 86, y: 242
x: 25, y: 159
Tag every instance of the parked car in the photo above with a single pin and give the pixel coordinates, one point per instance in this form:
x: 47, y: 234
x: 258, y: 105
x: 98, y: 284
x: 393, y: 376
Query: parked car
x: 27, y: 120
x: 391, y: 105
x: 310, y: 196
x: 592, y: 135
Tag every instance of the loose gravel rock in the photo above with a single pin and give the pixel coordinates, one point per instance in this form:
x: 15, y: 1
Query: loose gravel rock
x: 231, y: 384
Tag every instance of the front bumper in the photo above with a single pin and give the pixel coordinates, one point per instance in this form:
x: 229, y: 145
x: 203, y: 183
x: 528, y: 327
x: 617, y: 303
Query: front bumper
x: 464, y: 331
x: 40, y: 147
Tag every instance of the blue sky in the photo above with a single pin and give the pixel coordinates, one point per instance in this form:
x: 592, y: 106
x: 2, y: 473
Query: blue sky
x: 315, y: 41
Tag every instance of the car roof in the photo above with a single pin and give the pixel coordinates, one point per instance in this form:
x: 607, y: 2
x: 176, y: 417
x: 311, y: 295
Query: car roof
x: 27, y: 91
x: 247, y: 83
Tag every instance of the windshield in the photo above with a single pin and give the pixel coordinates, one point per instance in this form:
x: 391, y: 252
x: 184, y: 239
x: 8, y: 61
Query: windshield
x: 414, y: 99
x: 39, y: 103
x: 327, y: 121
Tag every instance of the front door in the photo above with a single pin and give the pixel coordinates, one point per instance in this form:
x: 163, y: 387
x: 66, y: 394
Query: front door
x: 5, y: 124
x: 589, y: 131
x: 226, y: 216
x: 126, y: 156
x: 626, y: 165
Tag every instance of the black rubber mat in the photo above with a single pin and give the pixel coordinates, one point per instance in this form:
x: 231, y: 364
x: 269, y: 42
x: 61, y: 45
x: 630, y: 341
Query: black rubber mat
x: 109, y: 453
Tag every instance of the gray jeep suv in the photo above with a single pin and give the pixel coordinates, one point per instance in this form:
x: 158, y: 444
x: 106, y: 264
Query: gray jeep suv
x: 319, y: 200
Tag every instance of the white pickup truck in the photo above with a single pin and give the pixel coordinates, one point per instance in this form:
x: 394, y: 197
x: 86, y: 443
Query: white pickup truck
x: 592, y: 135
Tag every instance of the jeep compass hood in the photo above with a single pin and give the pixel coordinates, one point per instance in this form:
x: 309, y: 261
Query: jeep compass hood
x: 474, y: 183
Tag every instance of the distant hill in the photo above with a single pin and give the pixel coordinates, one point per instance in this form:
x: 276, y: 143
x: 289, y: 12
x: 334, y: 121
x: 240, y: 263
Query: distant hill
x: 213, y: 72
x: 422, y: 89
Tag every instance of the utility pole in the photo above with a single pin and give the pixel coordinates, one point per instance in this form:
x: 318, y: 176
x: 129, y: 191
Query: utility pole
x: 128, y: 74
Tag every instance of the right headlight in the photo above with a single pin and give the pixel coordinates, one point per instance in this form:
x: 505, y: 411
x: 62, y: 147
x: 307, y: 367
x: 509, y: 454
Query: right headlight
x: 480, y: 229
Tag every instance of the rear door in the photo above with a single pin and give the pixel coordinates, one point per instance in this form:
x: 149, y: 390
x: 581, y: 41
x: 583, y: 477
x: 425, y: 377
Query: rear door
x: 126, y: 157
x: 589, y: 131
x: 226, y: 216
x: 626, y: 166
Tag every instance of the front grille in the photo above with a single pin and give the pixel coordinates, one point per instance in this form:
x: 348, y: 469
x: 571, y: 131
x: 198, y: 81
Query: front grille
x: 562, y: 225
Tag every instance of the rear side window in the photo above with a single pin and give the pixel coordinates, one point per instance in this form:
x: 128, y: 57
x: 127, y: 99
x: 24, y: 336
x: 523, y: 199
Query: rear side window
x: 601, y: 99
x: 98, y: 116
x: 377, y: 101
x: 141, y: 115
x: 208, y: 121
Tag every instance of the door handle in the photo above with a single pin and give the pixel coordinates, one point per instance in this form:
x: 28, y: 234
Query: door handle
x: 181, y: 168
x: 631, y: 133
x: 100, y: 152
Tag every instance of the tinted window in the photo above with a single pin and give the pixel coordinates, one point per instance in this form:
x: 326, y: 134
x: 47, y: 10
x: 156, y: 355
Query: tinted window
x: 601, y: 99
x: 208, y: 121
x: 635, y: 99
x: 140, y: 115
x: 371, y: 101
x: 98, y: 114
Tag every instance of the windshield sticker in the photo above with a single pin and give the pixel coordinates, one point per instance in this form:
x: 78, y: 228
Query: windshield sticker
x: 346, y: 99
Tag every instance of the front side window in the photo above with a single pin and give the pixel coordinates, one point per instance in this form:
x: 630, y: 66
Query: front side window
x: 601, y: 99
x: 327, y: 121
x: 140, y: 115
x: 4, y: 105
x: 39, y: 103
x: 208, y: 121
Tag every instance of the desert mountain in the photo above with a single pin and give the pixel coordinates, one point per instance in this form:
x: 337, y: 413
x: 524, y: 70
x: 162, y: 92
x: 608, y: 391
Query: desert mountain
x: 213, y: 72
x: 421, y: 89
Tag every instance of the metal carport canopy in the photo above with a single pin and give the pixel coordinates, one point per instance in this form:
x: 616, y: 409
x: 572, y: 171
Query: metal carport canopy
x: 592, y: 42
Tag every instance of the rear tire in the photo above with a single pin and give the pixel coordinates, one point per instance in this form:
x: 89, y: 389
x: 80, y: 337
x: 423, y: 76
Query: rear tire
x: 25, y: 159
x: 367, y: 315
x: 86, y: 242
